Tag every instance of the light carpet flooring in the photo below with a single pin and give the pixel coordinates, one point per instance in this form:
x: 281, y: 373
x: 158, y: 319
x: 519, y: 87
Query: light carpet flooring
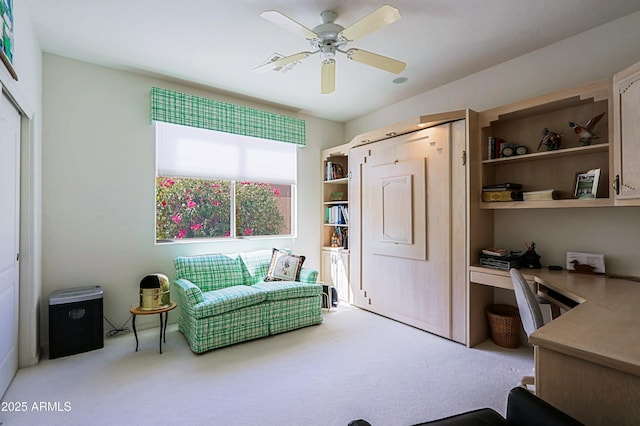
x: 354, y: 365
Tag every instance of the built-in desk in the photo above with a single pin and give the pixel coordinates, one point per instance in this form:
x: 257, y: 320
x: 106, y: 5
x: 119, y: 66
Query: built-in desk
x: 588, y: 359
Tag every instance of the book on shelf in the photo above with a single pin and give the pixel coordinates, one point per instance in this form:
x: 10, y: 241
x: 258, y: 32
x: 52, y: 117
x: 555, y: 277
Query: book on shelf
x: 333, y: 171
x: 545, y: 194
x: 344, y: 211
x: 502, y: 195
x: 336, y: 215
x: 502, y: 186
x: 494, y: 146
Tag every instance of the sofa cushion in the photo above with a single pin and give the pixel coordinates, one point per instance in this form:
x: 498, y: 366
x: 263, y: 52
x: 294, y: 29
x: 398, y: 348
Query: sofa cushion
x: 256, y: 264
x: 280, y: 290
x: 210, y: 271
x: 284, y: 266
x: 228, y: 299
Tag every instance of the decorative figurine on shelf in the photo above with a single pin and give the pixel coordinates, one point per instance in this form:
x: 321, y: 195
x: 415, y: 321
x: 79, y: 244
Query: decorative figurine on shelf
x: 584, y: 269
x: 531, y: 259
x: 335, y: 240
x: 585, y: 133
x: 550, y: 139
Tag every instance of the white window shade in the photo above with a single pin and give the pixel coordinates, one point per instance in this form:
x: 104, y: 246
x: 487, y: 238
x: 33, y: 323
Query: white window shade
x: 192, y: 152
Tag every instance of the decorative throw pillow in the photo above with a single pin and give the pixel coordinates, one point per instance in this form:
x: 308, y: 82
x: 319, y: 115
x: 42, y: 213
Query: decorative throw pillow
x: 284, y: 266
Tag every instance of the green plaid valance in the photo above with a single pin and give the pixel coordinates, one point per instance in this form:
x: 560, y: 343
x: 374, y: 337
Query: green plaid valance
x: 189, y: 110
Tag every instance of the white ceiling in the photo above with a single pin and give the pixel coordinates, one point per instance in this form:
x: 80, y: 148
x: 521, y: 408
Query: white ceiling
x: 216, y: 43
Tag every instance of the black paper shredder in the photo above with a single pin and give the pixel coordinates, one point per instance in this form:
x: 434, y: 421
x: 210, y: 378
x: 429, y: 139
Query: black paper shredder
x: 75, y: 321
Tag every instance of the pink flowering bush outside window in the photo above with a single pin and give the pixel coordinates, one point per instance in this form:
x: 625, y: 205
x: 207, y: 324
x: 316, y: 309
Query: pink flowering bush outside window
x: 201, y: 208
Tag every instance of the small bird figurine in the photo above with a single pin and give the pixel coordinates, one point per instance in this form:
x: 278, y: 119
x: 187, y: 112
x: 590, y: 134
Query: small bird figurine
x: 585, y: 133
x: 582, y: 268
x: 550, y: 139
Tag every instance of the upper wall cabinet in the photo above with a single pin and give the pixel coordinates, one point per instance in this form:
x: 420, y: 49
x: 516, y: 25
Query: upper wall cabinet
x: 532, y: 143
x: 626, y: 105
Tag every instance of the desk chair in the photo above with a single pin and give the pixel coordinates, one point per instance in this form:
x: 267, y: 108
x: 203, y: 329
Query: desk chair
x: 529, y: 308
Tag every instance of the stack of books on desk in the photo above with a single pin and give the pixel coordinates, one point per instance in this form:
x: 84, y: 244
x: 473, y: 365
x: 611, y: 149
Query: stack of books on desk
x: 502, y: 192
x: 498, y: 258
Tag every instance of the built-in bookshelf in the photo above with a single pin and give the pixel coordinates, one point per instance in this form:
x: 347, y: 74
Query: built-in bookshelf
x: 334, y: 270
x: 336, y: 199
x: 537, y: 161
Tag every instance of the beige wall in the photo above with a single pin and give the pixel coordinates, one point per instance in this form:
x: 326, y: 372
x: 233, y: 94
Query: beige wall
x: 98, y: 170
x: 590, y: 56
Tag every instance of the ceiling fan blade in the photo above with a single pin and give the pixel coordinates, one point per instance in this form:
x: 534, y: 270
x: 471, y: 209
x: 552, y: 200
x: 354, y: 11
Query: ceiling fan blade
x: 328, y: 83
x: 282, y: 62
x: 373, y: 59
x: 288, y: 24
x: 377, y: 19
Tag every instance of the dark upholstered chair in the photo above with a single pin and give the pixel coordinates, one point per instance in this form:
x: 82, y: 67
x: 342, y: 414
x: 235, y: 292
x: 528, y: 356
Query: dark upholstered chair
x: 523, y: 409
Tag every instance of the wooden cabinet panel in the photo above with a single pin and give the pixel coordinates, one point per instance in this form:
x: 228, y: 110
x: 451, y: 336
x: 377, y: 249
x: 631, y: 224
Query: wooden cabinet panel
x: 418, y: 273
x: 407, y: 280
x: 590, y: 392
x: 335, y: 271
x: 627, y: 136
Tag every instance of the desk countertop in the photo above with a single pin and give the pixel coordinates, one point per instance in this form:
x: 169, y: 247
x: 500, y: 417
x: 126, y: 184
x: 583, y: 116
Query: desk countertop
x: 604, y: 328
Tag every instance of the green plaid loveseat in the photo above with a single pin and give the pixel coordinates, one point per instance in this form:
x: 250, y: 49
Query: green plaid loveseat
x: 224, y: 299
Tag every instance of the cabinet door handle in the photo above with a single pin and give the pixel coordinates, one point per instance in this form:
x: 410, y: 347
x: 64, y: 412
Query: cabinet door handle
x: 616, y: 184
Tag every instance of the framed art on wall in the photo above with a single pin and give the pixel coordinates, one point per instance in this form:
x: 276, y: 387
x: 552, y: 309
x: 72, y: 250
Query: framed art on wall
x: 6, y: 38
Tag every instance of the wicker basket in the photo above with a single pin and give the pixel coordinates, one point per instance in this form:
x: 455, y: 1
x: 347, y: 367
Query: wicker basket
x: 504, y: 323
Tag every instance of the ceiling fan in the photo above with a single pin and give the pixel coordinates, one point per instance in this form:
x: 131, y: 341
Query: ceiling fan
x: 329, y: 38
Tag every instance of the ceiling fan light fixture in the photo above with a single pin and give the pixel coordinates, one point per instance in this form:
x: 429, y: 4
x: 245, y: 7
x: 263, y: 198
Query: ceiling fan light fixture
x: 328, y: 51
x: 329, y: 38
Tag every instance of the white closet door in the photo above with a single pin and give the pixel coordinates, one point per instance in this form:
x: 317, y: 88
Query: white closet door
x: 9, y: 233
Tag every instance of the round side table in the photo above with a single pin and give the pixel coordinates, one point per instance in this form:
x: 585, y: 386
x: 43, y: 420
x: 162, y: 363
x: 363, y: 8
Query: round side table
x: 135, y: 310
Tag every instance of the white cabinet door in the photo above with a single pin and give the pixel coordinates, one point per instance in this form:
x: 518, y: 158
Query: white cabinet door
x: 9, y: 226
x: 627, y: 136
x: 335, y: 272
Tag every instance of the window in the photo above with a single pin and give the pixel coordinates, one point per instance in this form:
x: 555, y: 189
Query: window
x: 212, y: 184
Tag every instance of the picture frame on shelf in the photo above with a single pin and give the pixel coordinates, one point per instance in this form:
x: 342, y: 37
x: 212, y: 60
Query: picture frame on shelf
x: 587, y: 184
